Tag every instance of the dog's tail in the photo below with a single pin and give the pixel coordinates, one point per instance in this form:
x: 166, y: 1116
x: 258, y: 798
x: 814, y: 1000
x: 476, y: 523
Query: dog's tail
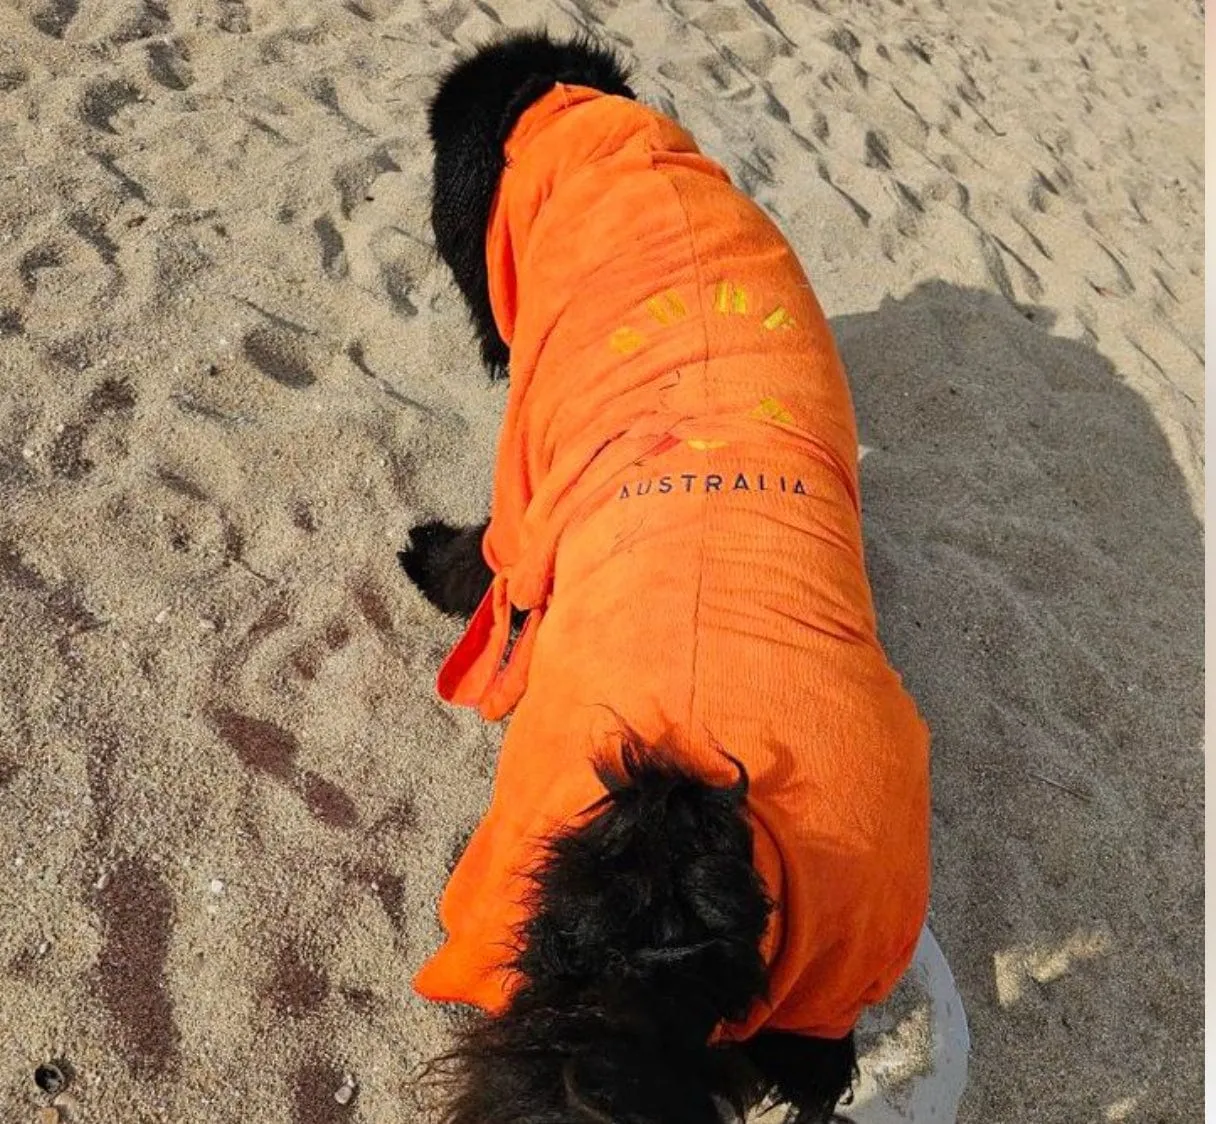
x: 470, y: 117
x: 664, y: 867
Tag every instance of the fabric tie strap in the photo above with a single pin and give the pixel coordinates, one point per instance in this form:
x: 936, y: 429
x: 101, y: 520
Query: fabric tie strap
x: 485, y: 670
x: 478, y: 671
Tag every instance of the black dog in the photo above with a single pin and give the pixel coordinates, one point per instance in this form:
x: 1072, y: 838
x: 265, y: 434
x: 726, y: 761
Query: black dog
x: 601, y: 1028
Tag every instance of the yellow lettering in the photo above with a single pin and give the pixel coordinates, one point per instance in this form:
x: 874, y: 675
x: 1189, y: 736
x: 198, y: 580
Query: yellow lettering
x: 667, y: 307
x: 729, y: 297
x: 626, y: 339
x: 778, y: 318
x: 772, y: 410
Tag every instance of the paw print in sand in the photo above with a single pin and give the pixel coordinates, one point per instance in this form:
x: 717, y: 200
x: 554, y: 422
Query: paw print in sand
x: 266, y: 748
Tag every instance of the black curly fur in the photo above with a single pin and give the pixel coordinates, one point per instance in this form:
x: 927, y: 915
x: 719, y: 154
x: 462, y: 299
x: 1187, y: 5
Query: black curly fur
x: 478, y: 102
x: 644, y: 934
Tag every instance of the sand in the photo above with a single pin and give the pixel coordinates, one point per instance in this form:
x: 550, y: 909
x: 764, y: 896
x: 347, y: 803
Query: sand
x: 232, y: 376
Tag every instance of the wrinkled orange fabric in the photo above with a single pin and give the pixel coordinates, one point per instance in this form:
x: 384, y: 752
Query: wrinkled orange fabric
x: 676, y: 502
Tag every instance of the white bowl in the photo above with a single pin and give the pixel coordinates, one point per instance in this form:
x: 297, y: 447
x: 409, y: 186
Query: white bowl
x: 913, y: 1048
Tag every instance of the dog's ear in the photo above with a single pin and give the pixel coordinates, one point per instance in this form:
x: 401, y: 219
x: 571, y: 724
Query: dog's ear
x: 474, y: 108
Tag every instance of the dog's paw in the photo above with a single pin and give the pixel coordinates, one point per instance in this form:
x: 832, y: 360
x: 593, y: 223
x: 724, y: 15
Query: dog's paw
x: 427, y: 538
x: 422, y: 555
x: 445, y: 563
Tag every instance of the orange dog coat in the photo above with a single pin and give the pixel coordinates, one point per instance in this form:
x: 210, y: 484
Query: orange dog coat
x: 676, y: 504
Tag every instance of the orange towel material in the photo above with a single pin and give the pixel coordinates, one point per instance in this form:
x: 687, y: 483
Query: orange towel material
x: 676, y: 503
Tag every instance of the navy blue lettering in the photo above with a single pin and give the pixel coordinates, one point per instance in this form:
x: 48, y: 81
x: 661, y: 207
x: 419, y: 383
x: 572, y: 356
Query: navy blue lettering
x: 714, y: 482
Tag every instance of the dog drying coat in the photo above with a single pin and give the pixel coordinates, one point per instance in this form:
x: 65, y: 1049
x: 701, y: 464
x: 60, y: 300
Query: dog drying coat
x: 676, y: 506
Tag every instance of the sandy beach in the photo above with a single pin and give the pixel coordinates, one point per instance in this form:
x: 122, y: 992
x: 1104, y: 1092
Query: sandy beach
x: 233, y: 375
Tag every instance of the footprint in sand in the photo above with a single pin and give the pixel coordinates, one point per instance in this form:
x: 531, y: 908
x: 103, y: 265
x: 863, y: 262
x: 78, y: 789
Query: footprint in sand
x: 63, y: 601
x: 306, y: 660
x: 863, y: 215
x: 79, y: 268
x: 67, y: 457
x: 372, y: 11
x: 270, y: 750
x: 399, y: 257
x: 35, y: 261
x: 878, y: 151
x: 168, y: 65
x: 333, y: 248
x: 389, y: 889
x: 93, y: 231
x: 232, y: 16
x: 102, y: 101
x: 297, y: 985
x: 398, y: 284
x: 280, y: 355
x: 353, y: 178
x: 53, y: 19
x: 11, y: 77
x: 372, y: 606
x: 303, y: 516
x: 919, y: 48
x: 135, y: 907
x: 274, y: 617
x: 132, y: 21
x: 847, y: 43
x: 313, y: 1091
x: 130, y: 188
x: 180, y: 538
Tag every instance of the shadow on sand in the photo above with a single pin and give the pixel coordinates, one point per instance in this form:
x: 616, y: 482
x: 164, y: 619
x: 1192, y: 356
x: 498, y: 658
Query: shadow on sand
x: 1037, y: 564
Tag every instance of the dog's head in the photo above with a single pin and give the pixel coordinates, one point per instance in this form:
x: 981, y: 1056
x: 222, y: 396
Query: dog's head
x: 567, y: 1067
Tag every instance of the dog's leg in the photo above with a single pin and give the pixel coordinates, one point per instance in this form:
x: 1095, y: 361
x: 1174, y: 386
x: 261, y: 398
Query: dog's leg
x: 447, y: 566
